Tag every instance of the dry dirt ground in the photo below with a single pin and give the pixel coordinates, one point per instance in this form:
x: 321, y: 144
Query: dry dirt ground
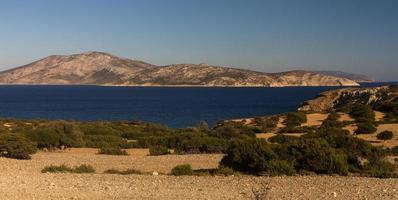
x: 23, y: 180
x: 316, y: 119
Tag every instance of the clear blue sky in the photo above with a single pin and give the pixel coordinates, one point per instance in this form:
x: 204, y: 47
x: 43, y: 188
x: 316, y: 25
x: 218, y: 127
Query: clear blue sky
x: 351, y: 35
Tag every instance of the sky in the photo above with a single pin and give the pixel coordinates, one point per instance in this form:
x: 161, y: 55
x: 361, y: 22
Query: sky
x: 359, y: 36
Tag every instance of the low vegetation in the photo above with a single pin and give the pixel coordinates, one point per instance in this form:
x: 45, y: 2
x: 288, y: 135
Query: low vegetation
x: 158, y: 150
x: 66, y: 169
x: 294, y: 119
x: 182, y: 170
x: 16, y: 146
x: 328, y: 149
x: 385, y: 135
x: 113, y: 151
x: 122, y: 172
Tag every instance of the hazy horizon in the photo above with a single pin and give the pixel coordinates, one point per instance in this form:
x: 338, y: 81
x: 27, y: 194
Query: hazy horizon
x: 270, y: 36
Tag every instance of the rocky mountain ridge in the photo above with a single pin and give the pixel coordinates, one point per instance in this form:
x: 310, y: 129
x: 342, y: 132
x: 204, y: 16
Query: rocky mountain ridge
x: 98, y: 68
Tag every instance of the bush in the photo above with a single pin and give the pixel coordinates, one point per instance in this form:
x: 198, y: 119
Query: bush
x: 394, y: 151
x: 316, y: 155
x: 297, y: 129
x: 365, y: 128
x: 281, y: 139
x: 181, y: 170
x: 295, y: 119
x: 230, y: 130
x: 255, y: 157
x: 333, y: 116
x: 44, y: 137
x: 98, y: 141
x: 113, y: 151
x: 266, y: 123
x: 125, y: 172
x: 226, y: 171
x: 64, y: 169
x: 16, y: 146
x: 379, y: 169
x: 201, y: 145
x: 158, y: 150
x: 385, y: 135
x: 361, y: 111
x: 83, y: 169
x: 221, y: 171
x: 56, y: 169
x: 332, y: 124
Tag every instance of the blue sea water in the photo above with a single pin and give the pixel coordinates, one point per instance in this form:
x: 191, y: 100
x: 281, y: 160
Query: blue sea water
x: 173, y: 106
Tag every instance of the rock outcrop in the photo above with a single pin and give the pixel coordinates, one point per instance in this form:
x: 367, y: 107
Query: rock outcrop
x: 337, y: 99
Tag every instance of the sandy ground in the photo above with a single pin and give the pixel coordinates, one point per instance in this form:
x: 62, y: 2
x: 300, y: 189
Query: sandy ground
x: 315, y: 119
x: 23, y: 180
x: 379, y: 115
x: 137, y: 159
x: 345, y: 117
x: 382, y: 127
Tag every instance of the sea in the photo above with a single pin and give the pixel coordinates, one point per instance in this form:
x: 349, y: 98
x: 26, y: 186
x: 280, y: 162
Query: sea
x: 172, y: 106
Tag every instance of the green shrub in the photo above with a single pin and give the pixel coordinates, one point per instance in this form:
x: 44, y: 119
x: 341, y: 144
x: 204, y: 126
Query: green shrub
x: 361, y: 111
x: 394, y: 151
x: 226, y: 171
x: 365, y: 128
x: 44, y: 137
x: 385, y: 135
x: 230, y: 130
x: 182, y: 170
x: 16, y: 146
x: 332, y: 124
x: 83, y: 169
x: 113, y: 151
x: 296, y: 129
x: 295, y: 119
x: 56, y: 169
x: 255, y: 157
x: 158, y: 150
x: 70, y: 135
x: 124, y: 172
x: 266, y: 123
x: 333, y: 116
x: 316, y: 155
x: 221, y: 171
x: 196, y: 145
x: 98, y: 141
x: 379, y: 169
x: 279, y: 167
x: 64, y: 169
x: 282, y: 139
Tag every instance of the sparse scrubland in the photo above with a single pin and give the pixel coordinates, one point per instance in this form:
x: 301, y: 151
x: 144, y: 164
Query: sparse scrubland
x: 298, y: 145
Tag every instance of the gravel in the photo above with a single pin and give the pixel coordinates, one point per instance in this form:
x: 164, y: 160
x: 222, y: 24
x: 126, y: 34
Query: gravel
x: 23, y: 180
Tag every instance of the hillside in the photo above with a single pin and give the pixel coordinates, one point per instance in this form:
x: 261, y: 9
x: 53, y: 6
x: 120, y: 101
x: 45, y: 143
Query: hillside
x: 341, y: 98
x: 356, y: 77
x: 97, y: 68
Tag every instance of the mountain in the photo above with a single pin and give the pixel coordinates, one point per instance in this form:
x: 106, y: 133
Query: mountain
x: 97, y: 68
x: 355, y: 77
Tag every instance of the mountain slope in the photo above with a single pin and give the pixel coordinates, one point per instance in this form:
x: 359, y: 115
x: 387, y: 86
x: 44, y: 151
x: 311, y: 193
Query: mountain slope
x: 99, y: 68
x: 354, y: 77
x: 86, y: 68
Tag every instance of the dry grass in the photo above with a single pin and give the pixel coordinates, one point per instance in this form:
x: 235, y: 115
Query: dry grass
x: 382, y: 127
x: 379, y: 115
x: 136, y: 159
x: 315, y: 119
